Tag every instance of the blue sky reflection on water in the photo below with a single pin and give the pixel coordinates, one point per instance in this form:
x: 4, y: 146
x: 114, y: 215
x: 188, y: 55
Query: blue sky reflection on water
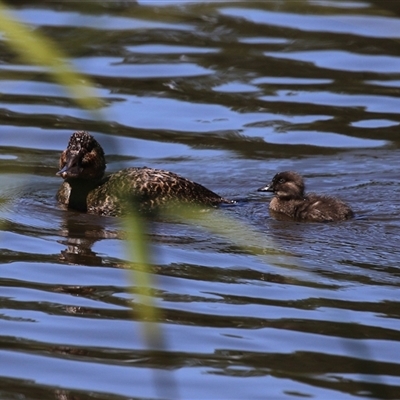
x: 225, y: 96
x: 360, y: 25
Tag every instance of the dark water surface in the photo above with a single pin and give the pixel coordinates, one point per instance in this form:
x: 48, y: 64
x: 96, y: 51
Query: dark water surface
x: 226, y: 94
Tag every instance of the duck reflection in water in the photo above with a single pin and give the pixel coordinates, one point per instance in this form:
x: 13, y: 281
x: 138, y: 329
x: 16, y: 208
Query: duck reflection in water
x: 80, y: 232
x: 291, y: 202
x: 85, y: 188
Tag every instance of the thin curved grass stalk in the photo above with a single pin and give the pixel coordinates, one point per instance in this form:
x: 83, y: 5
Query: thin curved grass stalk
x: 139, y: 256
x: 147, y: 312
x: 34, y: 48
x: 239, y: 233
x: 246, y: 239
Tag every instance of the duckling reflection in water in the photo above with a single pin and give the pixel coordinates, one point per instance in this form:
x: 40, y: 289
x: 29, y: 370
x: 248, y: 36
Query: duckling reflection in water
x: 85, y: 188
x: 291, y: 201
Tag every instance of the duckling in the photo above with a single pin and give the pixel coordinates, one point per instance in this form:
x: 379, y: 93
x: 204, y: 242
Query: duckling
x: 85, y: 188
x: 290, y: 200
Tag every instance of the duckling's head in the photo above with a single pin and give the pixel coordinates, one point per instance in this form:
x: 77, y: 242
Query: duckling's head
x: 83, y: 158
x: 287, y: 184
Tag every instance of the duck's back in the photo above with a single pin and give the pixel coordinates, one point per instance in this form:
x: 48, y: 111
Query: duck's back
x: 148, y: 188
x: 320, y: 208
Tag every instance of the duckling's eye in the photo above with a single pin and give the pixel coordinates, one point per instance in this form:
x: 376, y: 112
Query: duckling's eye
x: 281, y: 180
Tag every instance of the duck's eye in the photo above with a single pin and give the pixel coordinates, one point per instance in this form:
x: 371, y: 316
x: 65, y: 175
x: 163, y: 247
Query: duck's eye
x: 281, y: 180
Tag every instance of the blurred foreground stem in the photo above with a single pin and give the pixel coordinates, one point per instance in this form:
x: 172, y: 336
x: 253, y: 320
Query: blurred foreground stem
x: 34, y: 48
x: 139, y: 255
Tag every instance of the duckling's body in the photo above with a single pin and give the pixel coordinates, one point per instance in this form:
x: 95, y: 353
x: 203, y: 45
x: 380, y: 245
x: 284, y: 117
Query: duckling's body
x: 291, y: 201
x: 82, y: 166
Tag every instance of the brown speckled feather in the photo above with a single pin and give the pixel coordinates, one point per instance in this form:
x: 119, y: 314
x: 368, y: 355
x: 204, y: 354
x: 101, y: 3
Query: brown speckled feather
x: 82, y: 166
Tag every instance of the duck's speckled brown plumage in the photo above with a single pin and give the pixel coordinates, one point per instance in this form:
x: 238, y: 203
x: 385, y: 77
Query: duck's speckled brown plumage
x: 291, y: 201
x: 82, y: 167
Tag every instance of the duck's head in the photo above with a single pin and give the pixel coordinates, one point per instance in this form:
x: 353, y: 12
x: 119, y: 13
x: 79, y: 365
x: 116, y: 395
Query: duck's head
x: 287, y: 184
x: 82, y: 159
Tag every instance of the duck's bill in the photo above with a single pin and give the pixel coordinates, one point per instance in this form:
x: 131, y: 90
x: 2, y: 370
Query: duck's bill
x: 72, y: 167
x: 267, y: 188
